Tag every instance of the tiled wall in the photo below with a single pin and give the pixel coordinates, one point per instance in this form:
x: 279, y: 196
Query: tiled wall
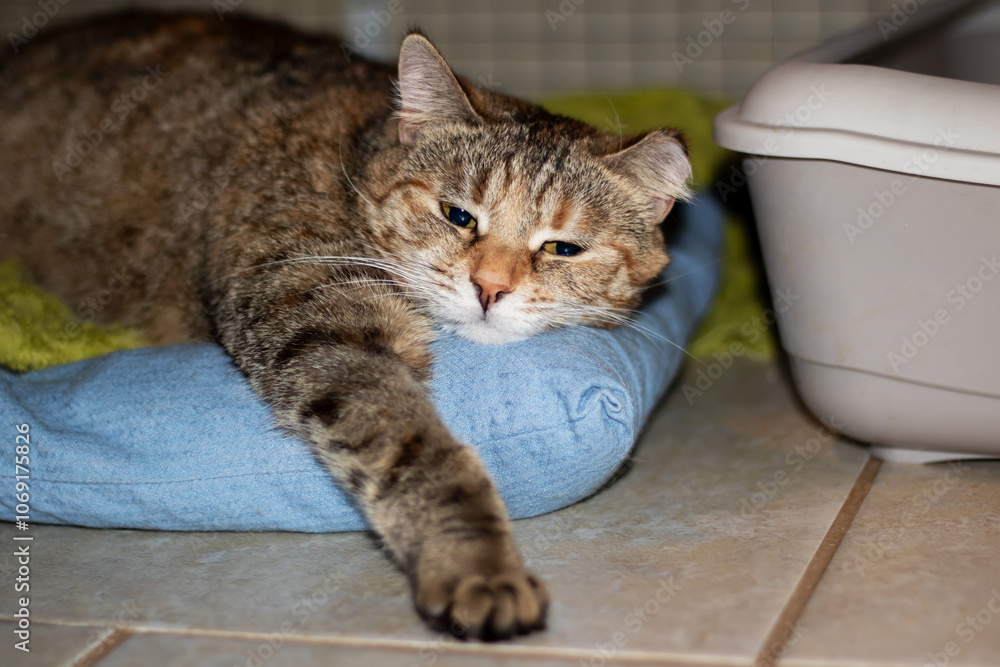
x: 537, y: 47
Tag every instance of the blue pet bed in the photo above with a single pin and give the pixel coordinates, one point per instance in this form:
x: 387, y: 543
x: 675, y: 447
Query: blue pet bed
x: 173, y: 438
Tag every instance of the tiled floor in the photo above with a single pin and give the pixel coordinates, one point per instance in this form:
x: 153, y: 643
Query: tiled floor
x: 711, y: 550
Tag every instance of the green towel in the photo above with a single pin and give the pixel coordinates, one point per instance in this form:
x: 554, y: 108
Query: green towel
x: 37, y: 331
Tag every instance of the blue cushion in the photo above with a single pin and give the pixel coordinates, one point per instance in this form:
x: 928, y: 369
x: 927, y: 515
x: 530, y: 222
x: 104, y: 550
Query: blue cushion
x: 173, y: 438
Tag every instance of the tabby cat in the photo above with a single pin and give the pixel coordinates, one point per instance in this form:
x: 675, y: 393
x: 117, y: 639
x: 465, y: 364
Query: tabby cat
x: 320, y: 217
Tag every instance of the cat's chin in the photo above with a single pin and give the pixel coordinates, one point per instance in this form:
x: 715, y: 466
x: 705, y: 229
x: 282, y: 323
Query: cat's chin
x: 486, y: 334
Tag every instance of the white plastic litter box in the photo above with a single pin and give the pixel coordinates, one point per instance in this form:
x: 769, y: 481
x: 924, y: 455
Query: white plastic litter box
x: 873, y: 163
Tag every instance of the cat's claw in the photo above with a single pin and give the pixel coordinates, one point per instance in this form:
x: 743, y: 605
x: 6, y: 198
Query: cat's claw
x: 487, y: 608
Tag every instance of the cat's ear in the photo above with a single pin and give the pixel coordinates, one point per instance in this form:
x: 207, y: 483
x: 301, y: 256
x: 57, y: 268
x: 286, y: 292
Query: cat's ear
x: 428, y: 90
x: 658, y: 164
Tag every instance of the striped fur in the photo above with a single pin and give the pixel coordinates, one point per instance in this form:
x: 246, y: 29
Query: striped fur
x: 260, y: 190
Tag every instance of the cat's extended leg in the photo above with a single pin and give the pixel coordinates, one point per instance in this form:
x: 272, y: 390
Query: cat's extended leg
x: 350, y: 386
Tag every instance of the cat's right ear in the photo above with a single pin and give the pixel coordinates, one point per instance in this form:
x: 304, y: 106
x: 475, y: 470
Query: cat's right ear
x: 428, y: 90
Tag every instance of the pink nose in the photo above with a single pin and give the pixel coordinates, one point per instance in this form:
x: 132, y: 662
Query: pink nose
x: 489, y: 292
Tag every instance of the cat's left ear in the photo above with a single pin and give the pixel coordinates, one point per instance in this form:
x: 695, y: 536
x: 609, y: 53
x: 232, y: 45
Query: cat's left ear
x: 658, y: 164
x: 428, y: 90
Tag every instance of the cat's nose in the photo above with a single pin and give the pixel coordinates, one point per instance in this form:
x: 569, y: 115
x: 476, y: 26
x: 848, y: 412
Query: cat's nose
x: 489, y: 292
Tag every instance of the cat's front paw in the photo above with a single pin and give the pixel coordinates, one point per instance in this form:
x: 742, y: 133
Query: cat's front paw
x: 488, y: 608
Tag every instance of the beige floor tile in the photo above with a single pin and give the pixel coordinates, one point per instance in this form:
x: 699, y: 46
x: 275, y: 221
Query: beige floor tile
x: 917, y: 579
x: 182, y: 651
x: 723, y: 508
x: 50, y: 645
x: 690, y: 556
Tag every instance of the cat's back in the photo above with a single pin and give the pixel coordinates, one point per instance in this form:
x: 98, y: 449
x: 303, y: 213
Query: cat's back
x: 99, y: 51
x: 170, y: 94
x: 113, y: 127
x: 211, y: 66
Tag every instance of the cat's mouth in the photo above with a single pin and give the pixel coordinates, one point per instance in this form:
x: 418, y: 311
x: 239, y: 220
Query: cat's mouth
x: 495, y: 326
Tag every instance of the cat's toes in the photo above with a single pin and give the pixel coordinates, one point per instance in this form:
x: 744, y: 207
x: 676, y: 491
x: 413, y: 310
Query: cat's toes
x: 487, y: 608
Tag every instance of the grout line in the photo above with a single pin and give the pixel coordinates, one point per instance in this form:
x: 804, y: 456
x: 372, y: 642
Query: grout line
x: 115, y: 637
x: 777, y: 639
x: 105, y: 643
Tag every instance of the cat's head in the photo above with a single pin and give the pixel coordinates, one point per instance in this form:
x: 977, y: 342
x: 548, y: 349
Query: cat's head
x: 505, y: 220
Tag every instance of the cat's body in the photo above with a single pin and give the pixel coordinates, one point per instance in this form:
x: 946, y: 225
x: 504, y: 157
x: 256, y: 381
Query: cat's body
x: 242, y: 181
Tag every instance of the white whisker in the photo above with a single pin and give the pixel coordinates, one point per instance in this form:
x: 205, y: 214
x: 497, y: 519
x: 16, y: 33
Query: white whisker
x: 621, y: 137
x: 613, y: 315
x: 687, y: 273
x: 344, y: 169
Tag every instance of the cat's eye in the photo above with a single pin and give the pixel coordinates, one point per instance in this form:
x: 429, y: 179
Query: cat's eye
x: 562, y: 248
x: 458, y: 216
